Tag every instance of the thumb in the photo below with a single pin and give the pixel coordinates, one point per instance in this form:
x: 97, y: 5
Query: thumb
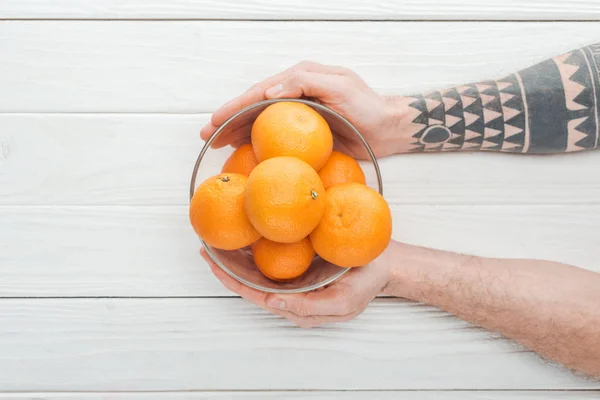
x: 304, y: 83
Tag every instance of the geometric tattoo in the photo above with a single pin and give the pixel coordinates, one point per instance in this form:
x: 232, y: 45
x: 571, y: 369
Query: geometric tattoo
x: 550, y: 107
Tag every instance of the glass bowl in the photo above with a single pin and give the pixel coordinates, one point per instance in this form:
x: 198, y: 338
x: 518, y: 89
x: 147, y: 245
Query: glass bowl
x: 239, y: 264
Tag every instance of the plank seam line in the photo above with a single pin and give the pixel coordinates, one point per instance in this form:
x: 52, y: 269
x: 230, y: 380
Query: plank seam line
x: 567, y: 390
x: 424, y: 20
x: 143, y: 298
x: 391, y: 203
x: 107, y: 113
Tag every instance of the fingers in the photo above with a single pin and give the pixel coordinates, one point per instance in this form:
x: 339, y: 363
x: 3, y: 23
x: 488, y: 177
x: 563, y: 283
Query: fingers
x: 305, y: 83
x: 237, y: 143
x: 253, y: 95
x: 254, y: 296
x: 236, y: 136
x: 332, y: 304
x: 257, y: 93
x: 332, y: 301
x: 207, y: 131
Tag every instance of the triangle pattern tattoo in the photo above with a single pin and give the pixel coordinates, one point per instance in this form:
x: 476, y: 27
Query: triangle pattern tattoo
x: 490, y: 133
x: 490, y: 115
x: 471, y: 136
x: 417, y: 111
x: 456, y: 139
x: 503, y: 85
x: 509, y: 113
x: 431, y: 104
x: 575, y: 135
x: 471, y: 91
x: 504, y: 97
x: 463, y: 89
x: 417, y: 146
x: 508, y: 146
x: 509, y: 84
x: 482, y: 87
x: 468, y: 146
x: 487, y: 145
x: 451, y: 120
x: 434, y: 147
x: 467, y: 101
x: 510, y: 131
x: 517, y: 138
x: 486, y: 98
x: 451, y: 146
x: 567, y: 70
x: 449, y: 103
x: 470, y: 118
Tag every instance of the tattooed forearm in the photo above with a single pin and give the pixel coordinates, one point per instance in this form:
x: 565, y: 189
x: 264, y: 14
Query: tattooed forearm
x: 551, y: 107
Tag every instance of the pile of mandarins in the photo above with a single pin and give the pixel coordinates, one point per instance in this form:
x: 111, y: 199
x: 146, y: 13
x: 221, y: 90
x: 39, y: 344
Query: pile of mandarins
x: 289, y: 195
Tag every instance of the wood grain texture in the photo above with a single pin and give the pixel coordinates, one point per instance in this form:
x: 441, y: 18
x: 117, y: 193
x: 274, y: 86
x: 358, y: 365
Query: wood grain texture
x: 316, y: 395
x: 211, y: 344
x: 308, y: 9
x: 97, y: 159
x: 152, y: 251
x: 190, y: 67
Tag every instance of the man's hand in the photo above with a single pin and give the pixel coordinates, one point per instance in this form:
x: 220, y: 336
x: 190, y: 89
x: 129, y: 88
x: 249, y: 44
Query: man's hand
x: 335, y: 87
x: 340, y: 301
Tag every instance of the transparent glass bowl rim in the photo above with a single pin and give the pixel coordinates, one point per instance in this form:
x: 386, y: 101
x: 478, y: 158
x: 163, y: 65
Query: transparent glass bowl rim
x: 220, y: 129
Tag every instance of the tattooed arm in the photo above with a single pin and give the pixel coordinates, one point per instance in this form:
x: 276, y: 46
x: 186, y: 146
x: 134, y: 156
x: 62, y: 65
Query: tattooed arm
x: 551, y: 107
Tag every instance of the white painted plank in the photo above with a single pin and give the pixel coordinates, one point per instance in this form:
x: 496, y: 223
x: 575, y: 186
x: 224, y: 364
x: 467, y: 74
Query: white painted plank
x: 96, y: 159
x: 210, y: 344
x: 307, y: 9
x: 152, y: 251
x: 188, y: 67
x: 316, y: 395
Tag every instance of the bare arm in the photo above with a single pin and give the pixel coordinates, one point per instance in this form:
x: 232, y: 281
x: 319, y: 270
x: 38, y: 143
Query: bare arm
x: 551, y: 107
x: 551, y: 308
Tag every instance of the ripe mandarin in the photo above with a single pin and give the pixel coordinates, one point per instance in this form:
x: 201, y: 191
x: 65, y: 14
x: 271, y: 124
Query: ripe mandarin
x: 282, y: 261
x: 284, y: 199
x: 241, y: 161
x: 356, y: 227
x: 217, y: 213
x: 292, y: 129
x: 341, y: 168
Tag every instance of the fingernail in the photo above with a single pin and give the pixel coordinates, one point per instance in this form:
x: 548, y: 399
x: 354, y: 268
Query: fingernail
x: 274, y: 91
x: 276, y: 303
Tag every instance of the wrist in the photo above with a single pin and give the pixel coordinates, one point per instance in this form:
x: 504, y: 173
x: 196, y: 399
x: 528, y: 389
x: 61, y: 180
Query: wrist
x: 396, y: 124
x: 401, y: 269
x: 418, y: 273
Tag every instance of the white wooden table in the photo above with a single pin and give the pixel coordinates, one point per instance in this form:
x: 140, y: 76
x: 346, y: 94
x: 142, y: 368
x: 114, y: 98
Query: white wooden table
x: 102, y: 292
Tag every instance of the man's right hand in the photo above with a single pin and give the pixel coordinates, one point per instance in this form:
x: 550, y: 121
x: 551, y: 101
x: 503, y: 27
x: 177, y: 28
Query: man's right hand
x: 335, y: 87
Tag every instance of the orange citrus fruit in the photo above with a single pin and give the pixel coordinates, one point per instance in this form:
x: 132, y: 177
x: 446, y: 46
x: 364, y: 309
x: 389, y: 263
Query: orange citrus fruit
x: 241, y: 161
x: 356, y: 227
x: 292, y: 129
x: 282, y: 261
x: 341, y: 168
x: 217, y: 213
x: 284, y: 199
